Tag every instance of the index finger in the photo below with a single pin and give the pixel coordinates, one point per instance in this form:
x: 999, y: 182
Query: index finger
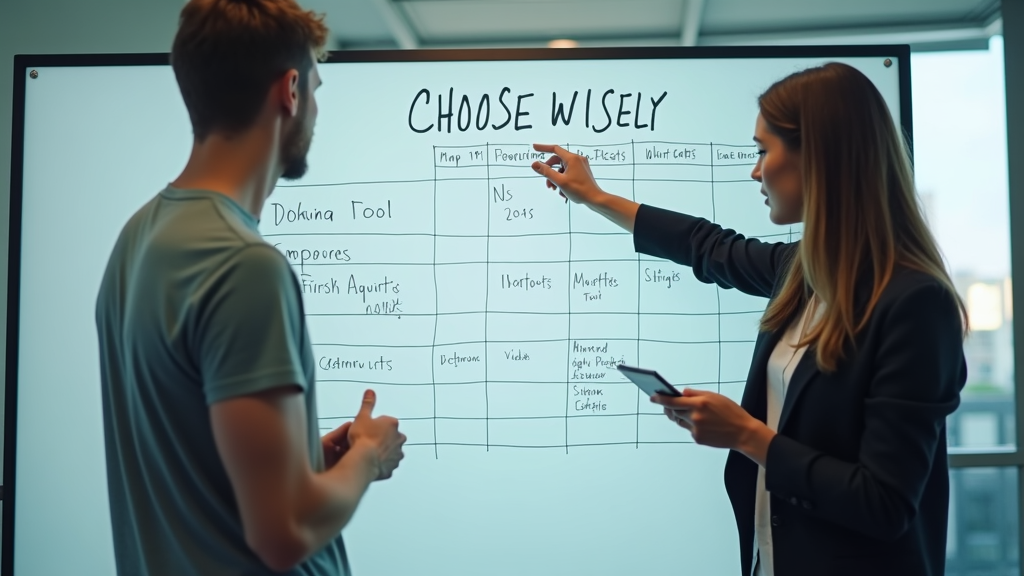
x: 552, y: 149
x: 339, y: 433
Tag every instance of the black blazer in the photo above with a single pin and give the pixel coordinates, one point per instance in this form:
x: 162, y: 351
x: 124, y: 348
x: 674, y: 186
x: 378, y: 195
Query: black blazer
x: 858, y: 472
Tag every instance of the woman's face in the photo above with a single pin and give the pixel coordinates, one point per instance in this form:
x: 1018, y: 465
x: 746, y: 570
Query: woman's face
x: 779, y: 171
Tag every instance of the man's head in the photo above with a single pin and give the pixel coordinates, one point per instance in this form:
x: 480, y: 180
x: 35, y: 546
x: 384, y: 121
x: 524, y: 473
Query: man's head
x: 234, y: 58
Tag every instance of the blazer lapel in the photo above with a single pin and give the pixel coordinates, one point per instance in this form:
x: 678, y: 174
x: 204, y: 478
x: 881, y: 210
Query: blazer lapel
x: 755, y: 399
x: 805, y: 371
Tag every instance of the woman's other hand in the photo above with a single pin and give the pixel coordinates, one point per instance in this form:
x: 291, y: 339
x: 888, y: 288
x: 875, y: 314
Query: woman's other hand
x: 715, y: 420
x: 574, y: 181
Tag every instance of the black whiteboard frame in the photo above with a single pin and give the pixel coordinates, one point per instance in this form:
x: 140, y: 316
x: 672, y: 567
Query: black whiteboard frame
x: 900, y: 53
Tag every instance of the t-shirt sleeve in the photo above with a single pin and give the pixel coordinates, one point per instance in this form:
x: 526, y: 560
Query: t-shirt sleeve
x: 249, y: 330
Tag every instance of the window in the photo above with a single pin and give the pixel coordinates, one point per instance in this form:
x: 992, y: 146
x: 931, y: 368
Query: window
x: 961, y: 169
x: 960, y: 154
x: 984, y: 530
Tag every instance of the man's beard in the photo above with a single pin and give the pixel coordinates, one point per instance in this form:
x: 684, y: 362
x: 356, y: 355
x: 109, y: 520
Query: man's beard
x: 294, y: 150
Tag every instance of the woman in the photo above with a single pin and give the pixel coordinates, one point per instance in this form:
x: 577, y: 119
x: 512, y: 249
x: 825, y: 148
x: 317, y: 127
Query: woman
x: 838, y: 451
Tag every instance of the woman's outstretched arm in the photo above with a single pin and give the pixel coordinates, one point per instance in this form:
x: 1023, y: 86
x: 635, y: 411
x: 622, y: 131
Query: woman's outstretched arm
x: 715, y: 254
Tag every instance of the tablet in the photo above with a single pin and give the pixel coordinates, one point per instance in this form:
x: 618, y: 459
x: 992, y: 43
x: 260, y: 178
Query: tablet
x: 649, y: 381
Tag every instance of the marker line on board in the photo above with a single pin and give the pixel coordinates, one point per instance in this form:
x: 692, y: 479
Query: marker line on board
x: 433, y: 350
x: 467, y: 262
x: 471, y: 178
x: 480, y: 419
x: 568, y: 321
x: 539, y: 341
x: 521, y: 312
x: 718, y: 291
x: 639, y: 285
x: 487, y: 306
x: 429, y: 235
x: 625, y: 384
x: 550, y: 446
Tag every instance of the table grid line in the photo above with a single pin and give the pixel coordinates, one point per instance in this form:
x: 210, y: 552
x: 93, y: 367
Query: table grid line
x: 543, y: 446
x: 433, y: 377
x: 507, y: 418
x: 599, y: 165
x: 632, y: 148
x: 487, y: 296
x: 511, y: 382
x: 522, y: 312
x: 609, y: 145
x: 543, y: 341
x: 568, y: 335
x: 532, y: 176
x: 718, y: 290
x: 470, y: 236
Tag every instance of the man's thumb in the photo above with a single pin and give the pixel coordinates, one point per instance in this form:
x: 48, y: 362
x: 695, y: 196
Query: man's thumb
x: 369, y: 400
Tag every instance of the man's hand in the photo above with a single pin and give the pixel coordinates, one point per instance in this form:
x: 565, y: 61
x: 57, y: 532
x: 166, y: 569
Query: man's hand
x: 380, y: 434
x: 335, y: 445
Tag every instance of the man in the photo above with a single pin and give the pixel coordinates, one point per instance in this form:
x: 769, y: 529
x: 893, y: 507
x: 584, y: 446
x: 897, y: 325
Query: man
x: 214, y: 461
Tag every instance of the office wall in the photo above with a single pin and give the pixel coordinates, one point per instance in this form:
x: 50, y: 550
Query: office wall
x: 68, y: 27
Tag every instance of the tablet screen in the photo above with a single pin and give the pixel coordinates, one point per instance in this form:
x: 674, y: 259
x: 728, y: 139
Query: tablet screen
x: 648, y: 380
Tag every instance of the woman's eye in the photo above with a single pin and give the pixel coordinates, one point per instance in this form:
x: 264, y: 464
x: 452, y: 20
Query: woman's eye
x: 761, y: 152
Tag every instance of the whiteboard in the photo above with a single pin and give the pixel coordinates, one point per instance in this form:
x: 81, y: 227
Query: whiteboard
x: 487, y: 313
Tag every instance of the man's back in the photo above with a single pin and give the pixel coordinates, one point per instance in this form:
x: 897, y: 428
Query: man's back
x: 194, y: 308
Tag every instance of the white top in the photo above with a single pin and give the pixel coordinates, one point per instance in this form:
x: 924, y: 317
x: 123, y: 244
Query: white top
x: 781, y: 365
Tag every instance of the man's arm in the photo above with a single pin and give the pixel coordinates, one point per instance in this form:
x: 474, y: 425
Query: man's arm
x: 247, y: 331
x: 288, y: 511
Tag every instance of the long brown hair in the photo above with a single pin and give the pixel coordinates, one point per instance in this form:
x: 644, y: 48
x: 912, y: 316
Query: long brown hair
x: 861, y: 214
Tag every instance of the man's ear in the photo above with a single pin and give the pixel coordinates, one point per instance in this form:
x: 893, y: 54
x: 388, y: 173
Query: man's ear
x: 288, y: 92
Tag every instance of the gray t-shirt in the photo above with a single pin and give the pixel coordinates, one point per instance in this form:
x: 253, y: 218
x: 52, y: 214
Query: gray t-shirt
x: 194, y: 308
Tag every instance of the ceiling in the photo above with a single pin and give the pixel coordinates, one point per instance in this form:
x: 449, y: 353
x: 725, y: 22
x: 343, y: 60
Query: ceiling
x: 924, y: 24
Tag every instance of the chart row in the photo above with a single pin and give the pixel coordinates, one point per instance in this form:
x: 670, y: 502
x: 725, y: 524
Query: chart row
x: 428, y: 330
x: 498, y: 207
x: 532, y: 362
x: 539, y: 287
x: 506, y: 415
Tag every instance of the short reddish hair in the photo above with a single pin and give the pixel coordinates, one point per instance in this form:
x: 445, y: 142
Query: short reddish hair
x: 227, y: 54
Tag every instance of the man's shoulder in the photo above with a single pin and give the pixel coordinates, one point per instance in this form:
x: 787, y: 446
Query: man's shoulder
x: 202, y: 231
x: 253, y: 275
x: 256, y: 257
x: 178, y: 219
x: 192, y: 243
x: 205, y: 216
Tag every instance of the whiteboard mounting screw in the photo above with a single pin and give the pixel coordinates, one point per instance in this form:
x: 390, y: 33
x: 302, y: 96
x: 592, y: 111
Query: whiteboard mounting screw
x: 33, y: 74
x: 888, y: 62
